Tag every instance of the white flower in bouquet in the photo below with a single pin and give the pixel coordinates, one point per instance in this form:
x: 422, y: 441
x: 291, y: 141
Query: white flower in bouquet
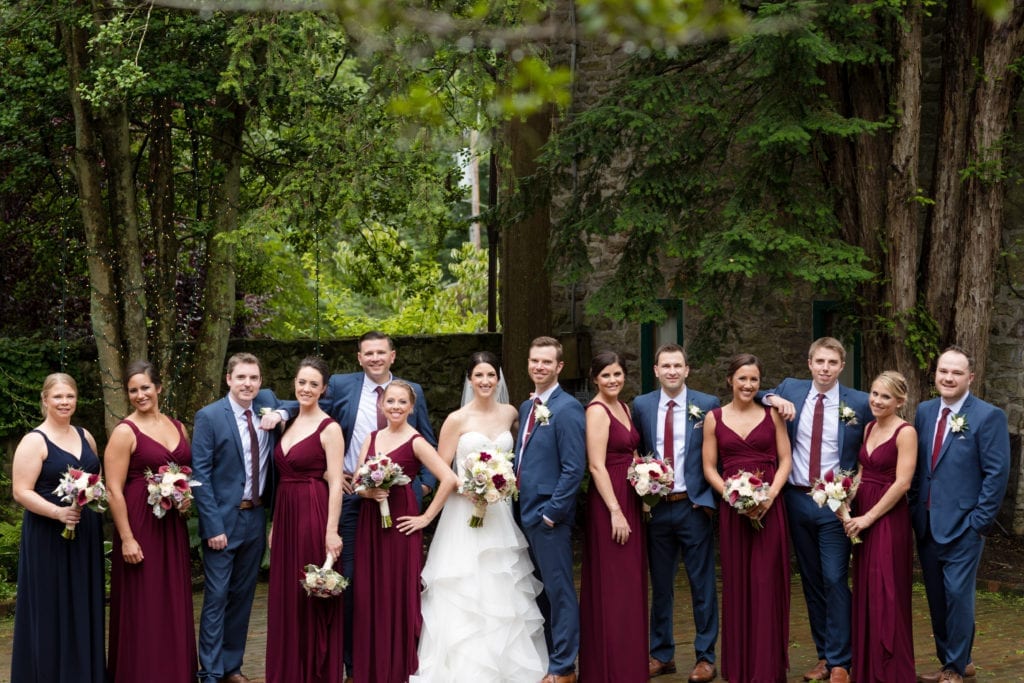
x: 836, y: 490
x: 323, y: 582
x: 81, y: 489
x: 170, y: 487
x: 651, y: 478
x: 745, y: 491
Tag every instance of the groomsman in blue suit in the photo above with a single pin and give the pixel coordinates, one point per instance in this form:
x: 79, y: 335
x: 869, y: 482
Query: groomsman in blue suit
x: 670, y: 421
x: 353, y: 399
x: 826, y: 427
x: 232, y: 457
x: 963, y: 464
x: 551, y: 457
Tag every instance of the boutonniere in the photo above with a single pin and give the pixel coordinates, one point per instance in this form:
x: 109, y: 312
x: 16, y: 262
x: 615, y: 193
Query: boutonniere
x: 958, y: 424
x: 266, y: 410
x: 847, y: 415
x: 694, y: 412
x: 542, y: 414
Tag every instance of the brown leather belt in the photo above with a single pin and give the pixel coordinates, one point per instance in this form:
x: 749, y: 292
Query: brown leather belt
x: 676, y: 497
x: 247, y: 505
x: 802, y: 489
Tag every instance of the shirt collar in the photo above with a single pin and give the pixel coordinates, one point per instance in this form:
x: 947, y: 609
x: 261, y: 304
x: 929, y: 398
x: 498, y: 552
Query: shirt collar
x: 955, y: 408
x: 546, y: 394
x: 237, y: 409
x: 831, y: 396
x: 665, y: 398
x: 369, y: 386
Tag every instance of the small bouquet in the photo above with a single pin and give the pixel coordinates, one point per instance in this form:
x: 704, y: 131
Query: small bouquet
x: 81, y: 489
x: 836, y: 489
x: 323, y: 582
x: 745, y: 491
x: 487, y: 478
x: 651, y: 478
x: 170, y: 487
x: 381, y: 472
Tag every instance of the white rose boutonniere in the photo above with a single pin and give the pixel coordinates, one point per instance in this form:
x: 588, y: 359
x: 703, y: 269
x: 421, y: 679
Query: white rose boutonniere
x: 958, y: 424
x: 542, y: 414
x: 847, y: 415
x: 266, y: 410
x: 694, y: 412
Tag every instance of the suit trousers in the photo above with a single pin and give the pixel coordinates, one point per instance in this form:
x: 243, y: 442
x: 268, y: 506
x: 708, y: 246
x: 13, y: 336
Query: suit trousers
x: 551, y: 552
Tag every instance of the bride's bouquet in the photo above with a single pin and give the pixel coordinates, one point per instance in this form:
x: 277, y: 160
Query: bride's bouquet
x: 323, y: 582
x: 745, y: 491
x: 651, y: 478
x: 487, y: 478
x: 170, y: 487
x: 836, y: 490
x: 81, y: 489
x: 380, y: 472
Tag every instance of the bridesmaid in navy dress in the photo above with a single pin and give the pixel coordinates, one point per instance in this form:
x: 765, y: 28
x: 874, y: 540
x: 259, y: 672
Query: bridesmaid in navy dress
x: 58, y: 623
x: 883, y: 642
x: 745, y: 436
x: 613, y: 588
x: 305, y: 634
x: 151, y: 571
x: 389, y: 561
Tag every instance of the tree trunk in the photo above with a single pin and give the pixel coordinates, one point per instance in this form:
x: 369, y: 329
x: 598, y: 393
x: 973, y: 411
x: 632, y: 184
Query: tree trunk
x: 219, y: 289
x: 101, y: 255
x: 525, y: 279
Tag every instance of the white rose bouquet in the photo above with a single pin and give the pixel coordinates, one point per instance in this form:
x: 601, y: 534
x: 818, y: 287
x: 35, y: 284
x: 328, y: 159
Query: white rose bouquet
x: 651, y: 478
x: 487, y: 478
x: 323, y: 582
x: 745, y: 491
x: 836, y: 490
x: 381, y: 472
x: 170, y: 487
x: 81, y: 489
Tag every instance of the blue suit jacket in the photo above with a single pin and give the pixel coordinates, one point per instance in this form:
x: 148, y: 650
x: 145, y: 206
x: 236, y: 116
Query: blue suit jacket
x: 645, y: 415
x: 552, y: 464
x: 218, y: 463
x: 851, y: 434
x: 969, y: 481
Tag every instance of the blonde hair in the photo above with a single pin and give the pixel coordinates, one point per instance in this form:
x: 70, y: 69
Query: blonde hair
x: 50, y: 382
x: 895, y: 384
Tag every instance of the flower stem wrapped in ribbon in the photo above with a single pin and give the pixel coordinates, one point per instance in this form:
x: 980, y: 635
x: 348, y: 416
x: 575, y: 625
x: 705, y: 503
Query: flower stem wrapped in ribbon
x: 81, y: 489
x: 323, y: 582
x: 381, y: 472
x: 488, y: 477
x: 170, y: 488
x: 836, y: 490
x: 745, y: 491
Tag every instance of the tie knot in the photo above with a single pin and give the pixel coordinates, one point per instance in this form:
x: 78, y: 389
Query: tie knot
x: 671, y: 404
x: 537, y: 401
x: 821, y: 398
x: 248, y: 413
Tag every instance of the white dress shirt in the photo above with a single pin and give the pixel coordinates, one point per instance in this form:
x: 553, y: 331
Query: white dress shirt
x: 366, y: 421
x: 264, y: 446
x: 829, y: 437
x: 678, y: 447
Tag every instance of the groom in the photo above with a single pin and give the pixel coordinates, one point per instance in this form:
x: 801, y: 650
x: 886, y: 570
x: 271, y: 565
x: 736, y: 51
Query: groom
x: 551, y: 458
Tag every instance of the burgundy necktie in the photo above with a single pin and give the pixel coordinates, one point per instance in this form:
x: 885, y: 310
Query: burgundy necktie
x: 940, y: 435
x: 254, y: 456
x: 817, y: 428
x: 669, y: 440
x: 531, y: 423
x: 382, y: 421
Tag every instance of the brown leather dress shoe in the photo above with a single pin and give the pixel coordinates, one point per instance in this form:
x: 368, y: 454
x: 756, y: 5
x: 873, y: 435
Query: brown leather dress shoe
x: 704, y: 672
x: 839, y: 675
x: 936, y: 676
x: 656, y: 667
x: 950, y: 676
x: 819, y: 673
x: 235, y: 678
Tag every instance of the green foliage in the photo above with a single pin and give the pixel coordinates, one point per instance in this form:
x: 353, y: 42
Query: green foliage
x: 24, y: 364
x: 713, y: 149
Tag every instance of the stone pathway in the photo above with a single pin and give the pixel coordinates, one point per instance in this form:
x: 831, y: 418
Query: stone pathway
x: 998, y: 647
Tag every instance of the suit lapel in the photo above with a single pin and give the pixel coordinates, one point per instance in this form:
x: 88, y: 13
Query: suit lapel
x: 950, y: 434
x: 232, y: 427
x: 841, y: 433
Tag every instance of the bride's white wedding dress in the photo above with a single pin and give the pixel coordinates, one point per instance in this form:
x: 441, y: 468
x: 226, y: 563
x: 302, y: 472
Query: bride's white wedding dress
x: 481, y: 623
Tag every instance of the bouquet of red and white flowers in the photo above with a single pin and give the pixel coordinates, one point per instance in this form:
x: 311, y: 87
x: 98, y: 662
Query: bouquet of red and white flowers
x: 651, y: 478
x: 836, y: 490
x: 81, y: 489
x: 170, y: 487
x: 745, y: 491
x: 487, y: 478
x: 323, y: 582
x: 380, y: 472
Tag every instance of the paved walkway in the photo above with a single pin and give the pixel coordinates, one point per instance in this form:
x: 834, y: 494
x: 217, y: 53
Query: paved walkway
x: 998, y: 648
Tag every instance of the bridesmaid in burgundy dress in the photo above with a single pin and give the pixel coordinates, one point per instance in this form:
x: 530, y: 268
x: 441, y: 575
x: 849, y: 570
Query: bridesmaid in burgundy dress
x: 613, y: 589
x: 883, y: 643
x: 389, y: 561
x: 152, y: 629
x: 743, y: 435
x: 305, y: 634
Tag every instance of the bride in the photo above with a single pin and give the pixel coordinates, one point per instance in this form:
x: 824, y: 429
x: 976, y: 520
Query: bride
x: 480, y: 618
